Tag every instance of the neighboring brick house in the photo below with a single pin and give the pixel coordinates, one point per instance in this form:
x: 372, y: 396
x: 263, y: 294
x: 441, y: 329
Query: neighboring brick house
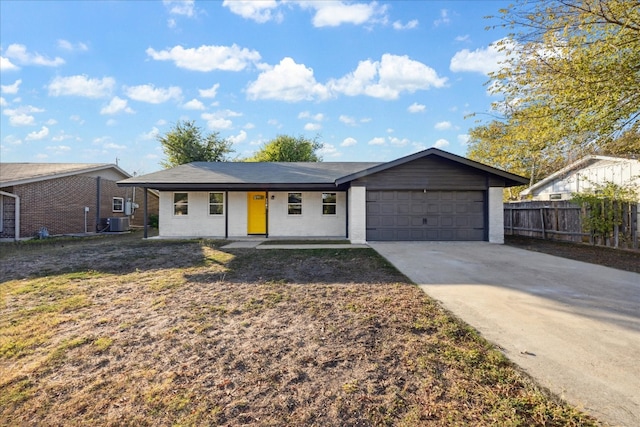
x: 65, y: 198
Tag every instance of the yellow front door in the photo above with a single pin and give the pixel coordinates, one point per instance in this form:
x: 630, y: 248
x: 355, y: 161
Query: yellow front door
x: 257, y: 213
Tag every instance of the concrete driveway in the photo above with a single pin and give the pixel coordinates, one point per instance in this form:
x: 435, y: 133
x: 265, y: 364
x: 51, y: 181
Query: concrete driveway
x: 574, y: 327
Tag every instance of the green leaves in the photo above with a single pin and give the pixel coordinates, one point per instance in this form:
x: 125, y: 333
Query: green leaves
x: 185, y: 144
x: 286, y: 148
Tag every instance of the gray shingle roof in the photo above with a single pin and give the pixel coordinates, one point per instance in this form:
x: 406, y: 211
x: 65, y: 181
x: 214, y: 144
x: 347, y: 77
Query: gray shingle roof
x: 245, y: 174
x: 20, y: 173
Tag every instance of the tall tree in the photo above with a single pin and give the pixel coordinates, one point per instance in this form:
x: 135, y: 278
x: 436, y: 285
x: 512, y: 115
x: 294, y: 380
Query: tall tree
x: 286, y: 148
x: 185, y: 143
x: 570, y: 84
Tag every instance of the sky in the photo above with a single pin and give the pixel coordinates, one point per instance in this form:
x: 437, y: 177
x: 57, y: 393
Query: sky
x: 99, y: 81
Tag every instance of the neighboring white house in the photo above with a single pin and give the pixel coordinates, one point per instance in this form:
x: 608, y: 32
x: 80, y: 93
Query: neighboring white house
x: 582, y: 175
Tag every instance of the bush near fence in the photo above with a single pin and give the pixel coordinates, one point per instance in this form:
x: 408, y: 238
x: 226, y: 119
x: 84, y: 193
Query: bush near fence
x: 563, y: 220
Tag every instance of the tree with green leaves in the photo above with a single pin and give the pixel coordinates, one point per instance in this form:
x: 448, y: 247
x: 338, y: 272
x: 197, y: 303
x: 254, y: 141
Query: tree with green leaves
x: 570, y: 85
x: 185, y: 143
x: 286, y: 148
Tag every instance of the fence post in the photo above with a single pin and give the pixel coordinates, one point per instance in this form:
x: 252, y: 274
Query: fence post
x: 634, y: 224
x: 544, y: 235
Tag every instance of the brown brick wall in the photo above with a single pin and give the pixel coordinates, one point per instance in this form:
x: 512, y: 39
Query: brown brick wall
x: 58, y: 204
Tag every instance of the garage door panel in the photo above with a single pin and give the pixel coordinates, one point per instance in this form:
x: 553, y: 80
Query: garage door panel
x: 431, y: 215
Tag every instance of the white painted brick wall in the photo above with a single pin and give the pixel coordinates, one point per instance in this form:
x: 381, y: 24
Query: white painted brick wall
x: 496, y: 215
x: 358, y: 215
x: 312, y: 223
x: 198, y: 222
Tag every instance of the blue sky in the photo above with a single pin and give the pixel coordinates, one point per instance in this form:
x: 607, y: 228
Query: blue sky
x: 96, y: 81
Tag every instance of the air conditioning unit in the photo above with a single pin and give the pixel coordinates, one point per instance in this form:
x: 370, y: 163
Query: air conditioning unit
x: 120, y: 223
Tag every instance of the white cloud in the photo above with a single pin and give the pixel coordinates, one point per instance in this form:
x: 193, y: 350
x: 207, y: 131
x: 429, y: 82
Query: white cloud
x: 194, y: 104
x: 377, y: 141
x: 7, y: 65
x: 72, y: 47
x: 209, y: 93
x: 38, y: 135
x: 81, y: 85
x: 113, y: 146
x: 58, y: 149
x: 111, y: 122
x: 335, y: 13
x: 347, y: 120
x: 443, y: 125
x: 312, y: 126
x: 287, y: 81
x: 3, y: 102
x: 237, y: 139
x: 348, y: 142
x: 399, y: 142
x: 180, y: 7
x: 441, y: 143
x: 152, y: 134
x: 18, y: 53
x: 416, y: 108
x: 398, y: 25
x: 21, y: 116
x: 117, y: 105
x: 463, y: 38
x: 388, y: 78
x: 12, y: 88
x: 220, y: 119
x: 207, y: 58
x: 329, y: 150
x: 258, y: 11
x: 307, y: 115
x: 153, y: 95
x: 76, y: 118
x: 443, y: 19
x: 51, y: 122
x: 481, y: 60
x: 463, y: 139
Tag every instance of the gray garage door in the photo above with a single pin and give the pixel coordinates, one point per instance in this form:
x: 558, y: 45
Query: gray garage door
x: 431, y: 215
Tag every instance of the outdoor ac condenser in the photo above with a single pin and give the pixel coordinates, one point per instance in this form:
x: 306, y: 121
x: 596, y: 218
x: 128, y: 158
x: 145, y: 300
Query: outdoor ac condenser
x: 119, y: 224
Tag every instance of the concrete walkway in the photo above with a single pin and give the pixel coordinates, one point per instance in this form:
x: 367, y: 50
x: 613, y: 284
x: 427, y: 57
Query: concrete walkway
x: 574, y: 327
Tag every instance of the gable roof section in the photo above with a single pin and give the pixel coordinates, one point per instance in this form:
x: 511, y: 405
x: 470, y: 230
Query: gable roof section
x: 287, y: 175
x: 578, y: 164
x: 509, y: 178
x: 25, y: 173
x: 247, y: 175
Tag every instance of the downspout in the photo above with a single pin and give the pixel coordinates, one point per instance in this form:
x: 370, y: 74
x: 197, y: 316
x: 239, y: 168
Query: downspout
x: 16, y: 231
x: 226, y: 214
x: 347, y: 213
x: 266, y: 207
x: 145, y: 221
x: 98, y: 203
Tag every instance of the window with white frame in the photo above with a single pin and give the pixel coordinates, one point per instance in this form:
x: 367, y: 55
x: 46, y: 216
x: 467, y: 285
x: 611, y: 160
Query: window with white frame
x: 294, y: 204
x: 180, y: 203
x: 216, y: 203
x: 329, y: 201
x: 117, y: 204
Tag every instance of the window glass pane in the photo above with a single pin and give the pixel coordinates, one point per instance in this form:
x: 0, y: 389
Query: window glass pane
x: 216, y: 197
x: 180, y: 197
x: 328, y: 197
x: 181, y: 209
x: 329, y: 209
x: 216, y: 209
x: 118, y: 204
x: 295, y: 197
x: 295, y: 210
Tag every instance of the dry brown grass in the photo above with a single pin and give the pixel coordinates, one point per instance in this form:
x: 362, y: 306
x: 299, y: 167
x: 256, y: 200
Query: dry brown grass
x: 131, y: 332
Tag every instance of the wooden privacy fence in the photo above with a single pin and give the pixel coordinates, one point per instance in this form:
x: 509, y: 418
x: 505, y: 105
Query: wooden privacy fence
x: 563, y: 220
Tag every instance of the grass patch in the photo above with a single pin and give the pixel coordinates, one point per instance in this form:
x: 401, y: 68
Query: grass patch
x: 194, y: 335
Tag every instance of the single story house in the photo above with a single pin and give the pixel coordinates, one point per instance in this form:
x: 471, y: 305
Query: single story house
x: 429, y: 195
x: 582, y: 175
x: 64, y: 198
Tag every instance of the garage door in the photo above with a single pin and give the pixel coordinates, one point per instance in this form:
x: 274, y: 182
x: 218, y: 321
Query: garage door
x: 431, y: 215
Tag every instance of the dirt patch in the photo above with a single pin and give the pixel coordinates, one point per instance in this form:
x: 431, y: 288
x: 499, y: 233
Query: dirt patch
x: 621, y: 259
x: 128, y: 332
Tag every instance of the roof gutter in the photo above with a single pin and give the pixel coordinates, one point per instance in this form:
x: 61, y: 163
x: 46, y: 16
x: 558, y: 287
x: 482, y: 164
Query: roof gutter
x: 16, y: 232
